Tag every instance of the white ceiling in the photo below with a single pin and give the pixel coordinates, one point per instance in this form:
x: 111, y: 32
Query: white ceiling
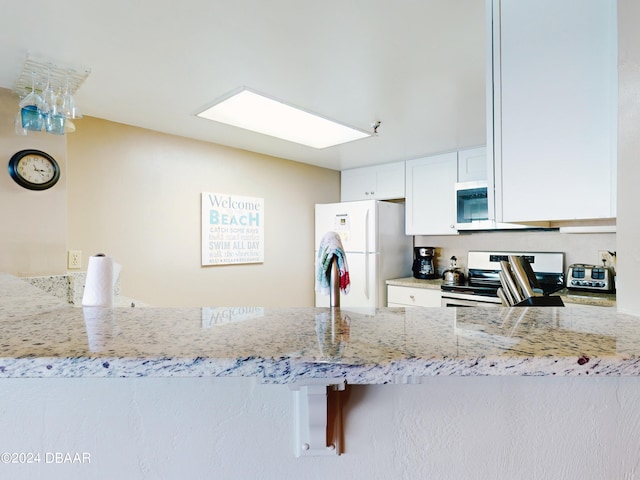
x: 418, y: 66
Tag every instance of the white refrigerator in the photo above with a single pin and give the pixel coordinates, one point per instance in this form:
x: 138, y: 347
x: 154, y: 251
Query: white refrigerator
x: 376, y: 248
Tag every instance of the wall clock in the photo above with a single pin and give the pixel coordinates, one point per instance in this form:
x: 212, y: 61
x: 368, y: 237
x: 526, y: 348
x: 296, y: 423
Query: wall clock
x: 34, y: 169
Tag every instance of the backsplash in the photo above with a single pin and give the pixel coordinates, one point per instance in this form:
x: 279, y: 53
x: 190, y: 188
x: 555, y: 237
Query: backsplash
x: 578, y: 248
x: 69, y: 288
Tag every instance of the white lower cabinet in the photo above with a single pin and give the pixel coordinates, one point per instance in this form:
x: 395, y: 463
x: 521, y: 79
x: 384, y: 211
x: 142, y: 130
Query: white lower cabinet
x: 413, y: 297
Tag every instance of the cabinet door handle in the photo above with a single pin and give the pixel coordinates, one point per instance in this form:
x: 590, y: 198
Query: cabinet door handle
x: 412, y: 298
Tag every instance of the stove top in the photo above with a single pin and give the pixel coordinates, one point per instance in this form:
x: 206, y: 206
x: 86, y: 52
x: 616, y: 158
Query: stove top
x: 484, y: 268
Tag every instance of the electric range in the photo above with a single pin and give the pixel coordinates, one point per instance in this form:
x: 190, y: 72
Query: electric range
x: 483, y: 278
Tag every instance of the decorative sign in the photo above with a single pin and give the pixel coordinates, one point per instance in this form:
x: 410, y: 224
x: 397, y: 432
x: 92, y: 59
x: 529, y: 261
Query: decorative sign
x: 232, y: 229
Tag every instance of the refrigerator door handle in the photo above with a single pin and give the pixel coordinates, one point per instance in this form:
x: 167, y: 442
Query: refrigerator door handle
x: 366, y: 254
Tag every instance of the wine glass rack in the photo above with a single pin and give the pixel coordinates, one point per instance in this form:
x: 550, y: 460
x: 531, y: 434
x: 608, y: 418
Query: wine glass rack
x: 45, y: 70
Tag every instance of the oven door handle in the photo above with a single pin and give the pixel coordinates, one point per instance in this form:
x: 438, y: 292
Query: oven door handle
x: 447, y: 301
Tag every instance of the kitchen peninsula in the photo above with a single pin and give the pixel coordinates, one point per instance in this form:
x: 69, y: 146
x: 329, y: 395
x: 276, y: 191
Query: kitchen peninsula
x: 43, y: 337
x: 172, y: 392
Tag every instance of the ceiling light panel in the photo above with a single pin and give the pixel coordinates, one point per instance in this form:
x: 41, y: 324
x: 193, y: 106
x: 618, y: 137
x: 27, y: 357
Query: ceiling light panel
x: 252, y: 111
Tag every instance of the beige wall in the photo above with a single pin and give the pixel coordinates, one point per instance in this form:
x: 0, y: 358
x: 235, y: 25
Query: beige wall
x: 33, y: 225
x: 135, y: 194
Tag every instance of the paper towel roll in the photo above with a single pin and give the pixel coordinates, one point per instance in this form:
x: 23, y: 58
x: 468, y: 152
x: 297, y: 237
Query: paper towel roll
x: 100, y: 282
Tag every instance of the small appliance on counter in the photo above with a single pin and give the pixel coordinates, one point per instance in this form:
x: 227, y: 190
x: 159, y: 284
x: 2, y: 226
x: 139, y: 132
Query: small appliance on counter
x: 453, y: 275
x: 423, y: 264
x: 593, y: 278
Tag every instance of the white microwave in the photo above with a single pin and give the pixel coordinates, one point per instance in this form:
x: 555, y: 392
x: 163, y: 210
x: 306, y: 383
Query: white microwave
x: 472, y: 209
x: 472, y: 206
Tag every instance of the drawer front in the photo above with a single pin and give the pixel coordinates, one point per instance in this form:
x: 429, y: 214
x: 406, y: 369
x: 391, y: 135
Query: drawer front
x: 417, y: 297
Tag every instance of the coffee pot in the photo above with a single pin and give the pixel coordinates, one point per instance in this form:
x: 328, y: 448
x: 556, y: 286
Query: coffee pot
x: 423, y: 266
x: 453, y: 275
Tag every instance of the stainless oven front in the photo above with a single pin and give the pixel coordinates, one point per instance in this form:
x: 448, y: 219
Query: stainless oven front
x: 455, y: 299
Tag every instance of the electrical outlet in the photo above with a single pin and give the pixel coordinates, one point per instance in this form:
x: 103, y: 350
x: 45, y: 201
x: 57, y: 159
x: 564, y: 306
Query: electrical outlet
x: 605, y: 258
x: 74, y: 259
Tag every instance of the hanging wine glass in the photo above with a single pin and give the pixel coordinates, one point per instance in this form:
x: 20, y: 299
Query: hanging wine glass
x: 49, y: 97
x: 30, y: 108
x: 53, y: 119
x: 55, y: 123
x: 32, y: 98
x: 67, y: 103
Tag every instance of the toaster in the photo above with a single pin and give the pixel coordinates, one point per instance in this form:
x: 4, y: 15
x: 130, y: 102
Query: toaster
x: 591, y: 277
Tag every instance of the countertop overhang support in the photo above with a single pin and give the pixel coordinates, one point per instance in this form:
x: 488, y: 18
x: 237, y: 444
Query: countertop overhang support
x: 317, y: 412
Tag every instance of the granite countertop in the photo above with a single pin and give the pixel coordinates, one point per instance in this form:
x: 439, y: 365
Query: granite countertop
x: 416, y: 282
x: 597, y: 299
x: 44, y: 337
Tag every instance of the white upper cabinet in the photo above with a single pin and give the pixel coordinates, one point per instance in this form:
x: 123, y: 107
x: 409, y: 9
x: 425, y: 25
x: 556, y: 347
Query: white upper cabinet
x: 430, y: 207
x: 472, y: 164
x: 552, y: 128
x: 379, y: 182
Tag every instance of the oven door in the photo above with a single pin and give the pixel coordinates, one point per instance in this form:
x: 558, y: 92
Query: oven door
x: 450, y: 299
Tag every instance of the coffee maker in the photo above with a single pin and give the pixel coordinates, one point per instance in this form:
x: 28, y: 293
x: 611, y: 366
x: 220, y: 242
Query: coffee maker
x: 423, y: 266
